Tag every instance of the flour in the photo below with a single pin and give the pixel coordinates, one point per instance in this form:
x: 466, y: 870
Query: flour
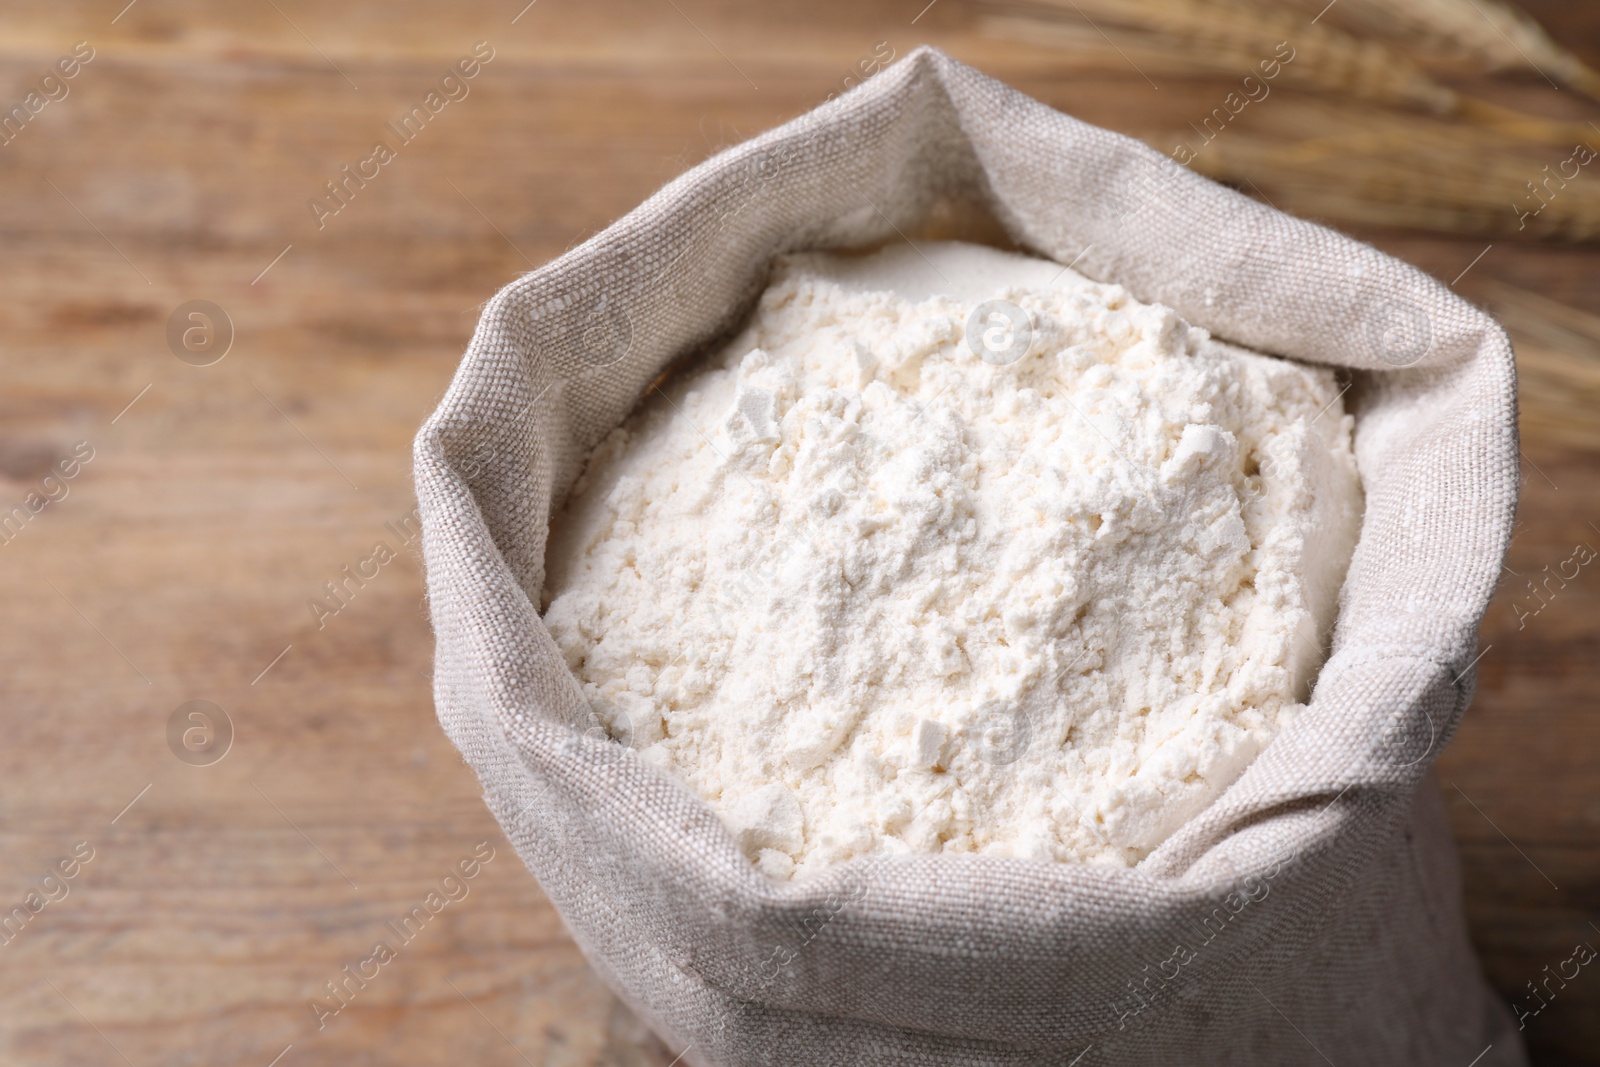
x: 866, y: 592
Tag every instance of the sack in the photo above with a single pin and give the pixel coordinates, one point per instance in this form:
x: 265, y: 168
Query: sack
x: 1311, y: 913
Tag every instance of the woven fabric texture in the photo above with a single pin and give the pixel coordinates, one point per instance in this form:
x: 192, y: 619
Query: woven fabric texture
x: 1311, y: 914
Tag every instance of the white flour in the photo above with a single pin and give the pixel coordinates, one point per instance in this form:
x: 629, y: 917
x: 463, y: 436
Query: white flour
x: 866, y: 592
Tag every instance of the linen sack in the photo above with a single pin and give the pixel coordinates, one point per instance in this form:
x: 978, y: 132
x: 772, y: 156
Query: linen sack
x: 1311, y: 914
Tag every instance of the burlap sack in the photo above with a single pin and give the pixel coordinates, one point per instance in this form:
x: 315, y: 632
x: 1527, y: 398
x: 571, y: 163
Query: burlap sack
x: 1311, y: 914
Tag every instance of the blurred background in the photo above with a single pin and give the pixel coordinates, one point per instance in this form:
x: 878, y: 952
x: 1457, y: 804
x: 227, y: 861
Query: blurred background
x: 221, y: 780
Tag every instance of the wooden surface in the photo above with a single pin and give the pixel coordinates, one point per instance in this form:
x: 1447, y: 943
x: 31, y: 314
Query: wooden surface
x: 179, y: 563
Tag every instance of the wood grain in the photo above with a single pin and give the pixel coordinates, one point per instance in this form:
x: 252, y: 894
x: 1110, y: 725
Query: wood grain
x: 179, y: 563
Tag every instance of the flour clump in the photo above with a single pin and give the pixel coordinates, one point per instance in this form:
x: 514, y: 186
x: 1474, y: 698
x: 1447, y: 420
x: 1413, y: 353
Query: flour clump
x: 869, y: 590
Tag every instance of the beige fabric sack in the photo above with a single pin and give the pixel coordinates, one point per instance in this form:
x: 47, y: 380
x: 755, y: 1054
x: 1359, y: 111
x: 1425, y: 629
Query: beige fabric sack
x: 1311, y: 914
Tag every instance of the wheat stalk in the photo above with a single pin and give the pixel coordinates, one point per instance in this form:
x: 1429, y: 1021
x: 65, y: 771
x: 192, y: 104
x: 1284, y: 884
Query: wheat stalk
x: 1492, y: 35
x: 1367, y: 165
x: 1234, y: 38
x: 1381, y: 168
x: 1549, y: 321
x: 1558, y: 365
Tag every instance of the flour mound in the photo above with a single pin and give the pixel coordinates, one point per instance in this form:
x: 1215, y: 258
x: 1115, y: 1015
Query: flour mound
x: 867, y: 592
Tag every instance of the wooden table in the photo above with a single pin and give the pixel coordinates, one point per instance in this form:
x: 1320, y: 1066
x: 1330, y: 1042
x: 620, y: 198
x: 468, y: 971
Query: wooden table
x: 220, y: 499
